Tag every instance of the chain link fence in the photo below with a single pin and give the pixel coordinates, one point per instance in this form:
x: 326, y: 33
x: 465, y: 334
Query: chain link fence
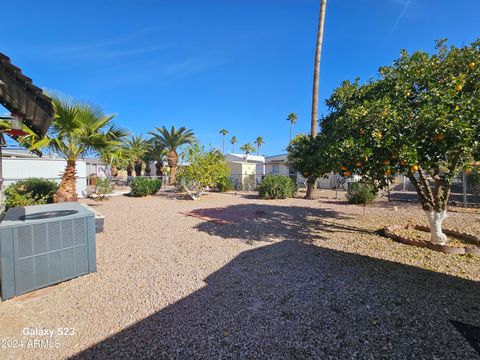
x: 465, y: 191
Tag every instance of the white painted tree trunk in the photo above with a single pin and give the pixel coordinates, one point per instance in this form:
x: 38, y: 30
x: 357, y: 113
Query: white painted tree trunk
x: 435, y: 219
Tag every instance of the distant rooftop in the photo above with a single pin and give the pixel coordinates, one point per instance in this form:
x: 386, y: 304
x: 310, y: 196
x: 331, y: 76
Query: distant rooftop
x: 244, y: 157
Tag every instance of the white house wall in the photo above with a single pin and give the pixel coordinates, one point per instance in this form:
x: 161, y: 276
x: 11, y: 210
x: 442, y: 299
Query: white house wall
x: 15, y: 169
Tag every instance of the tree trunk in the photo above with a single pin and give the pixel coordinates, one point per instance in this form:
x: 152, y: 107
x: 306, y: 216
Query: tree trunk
x: 291, y: 128
x: 148, y: 169
x: 172, y: 163
x: 67, y: 190
x: 434, y: 203
x: 159, y: 168
x: 129, y: 170
x: 435, y: 220
x: 138, y: 168
x: 316, y: 71
x: 310, y: 195
x: 114, y: 171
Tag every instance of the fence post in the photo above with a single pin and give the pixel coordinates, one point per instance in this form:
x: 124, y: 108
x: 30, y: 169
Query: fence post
x: 464, y: 188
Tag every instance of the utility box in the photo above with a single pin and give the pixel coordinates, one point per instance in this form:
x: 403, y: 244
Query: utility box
x: 43, y: 245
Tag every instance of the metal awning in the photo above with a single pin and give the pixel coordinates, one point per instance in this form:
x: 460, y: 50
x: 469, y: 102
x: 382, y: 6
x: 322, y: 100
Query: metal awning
x: 20, y: 96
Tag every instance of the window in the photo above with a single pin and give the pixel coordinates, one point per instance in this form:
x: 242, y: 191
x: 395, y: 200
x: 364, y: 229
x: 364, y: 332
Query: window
x: 275, y: 169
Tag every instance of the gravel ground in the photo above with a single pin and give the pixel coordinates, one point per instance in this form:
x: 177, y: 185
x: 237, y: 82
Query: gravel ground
x: 308, y: 279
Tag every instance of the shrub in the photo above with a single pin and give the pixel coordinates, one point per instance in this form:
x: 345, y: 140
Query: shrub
x: 103, y: 186
x: 142, y: 186
x: 277, y: 187
x: 225, y: 184
x: 206, y: 168
x: 360, y: 193
x: 33, y: 191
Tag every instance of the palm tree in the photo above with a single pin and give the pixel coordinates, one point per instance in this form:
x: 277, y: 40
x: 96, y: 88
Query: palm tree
x: 137, y: 147
x: 316, y: 85
x: 171, y: 141
x: 233, y: 141
x: 116, y: 156
x: 157, y: 153
x: 259, y: 142
x: 223, y: 132
x: 247, y: 148
x: 79, y: 129
x: 316, y: 71
x: 292, y: 117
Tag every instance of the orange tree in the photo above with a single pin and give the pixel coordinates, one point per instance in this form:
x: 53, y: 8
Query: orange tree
x: 421, y: 118
x: 310, y: 157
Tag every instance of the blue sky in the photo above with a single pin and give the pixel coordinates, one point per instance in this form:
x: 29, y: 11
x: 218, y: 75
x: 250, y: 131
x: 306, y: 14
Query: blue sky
x: 243, y: 65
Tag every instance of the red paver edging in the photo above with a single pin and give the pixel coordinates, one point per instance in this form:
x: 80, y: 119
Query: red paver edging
x: 473, y: 249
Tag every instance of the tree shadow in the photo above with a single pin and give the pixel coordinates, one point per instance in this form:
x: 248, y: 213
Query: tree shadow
x: 304, y: 224
x: 291, y: 300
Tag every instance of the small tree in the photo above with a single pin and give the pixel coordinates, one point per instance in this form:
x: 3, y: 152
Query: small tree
x: 421, y: 119
x: 310, y: 157
x: 206, y: 168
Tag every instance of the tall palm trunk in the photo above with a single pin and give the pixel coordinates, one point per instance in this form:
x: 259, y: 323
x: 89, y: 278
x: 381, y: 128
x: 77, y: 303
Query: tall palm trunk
x: 172, y: 163
x: 148, y: 169
x: 129, y: 170
x: 114, y: 171
x: 159, y: 168
x: 291, y: 128
x: 67, y: 191
x: 316, y: 85
x: 223, y: 144
x: 138, y: 167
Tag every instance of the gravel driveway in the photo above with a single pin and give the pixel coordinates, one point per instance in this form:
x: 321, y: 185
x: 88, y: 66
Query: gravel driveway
x: 309, y: 279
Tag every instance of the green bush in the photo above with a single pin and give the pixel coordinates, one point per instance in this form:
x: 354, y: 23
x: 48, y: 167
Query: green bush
x: 277, y: 187
x: 33, y: 191
x: 103, y: 186
x: 206, y: 168
x: 226, y: 184
x: 142, y: 186
x: 360, y: 193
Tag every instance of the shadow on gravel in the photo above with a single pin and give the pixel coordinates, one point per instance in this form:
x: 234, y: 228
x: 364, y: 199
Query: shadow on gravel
x: 291, y: 300
x: 299, y: 223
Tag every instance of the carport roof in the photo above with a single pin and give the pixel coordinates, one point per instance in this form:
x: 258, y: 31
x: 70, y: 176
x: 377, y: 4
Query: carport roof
x: 19, y: 95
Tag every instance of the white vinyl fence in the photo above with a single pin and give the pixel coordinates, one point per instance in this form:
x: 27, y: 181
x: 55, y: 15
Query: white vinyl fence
x: 15, y: 169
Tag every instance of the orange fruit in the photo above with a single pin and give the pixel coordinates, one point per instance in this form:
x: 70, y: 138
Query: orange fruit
x: 458, y: 87
x: 343, y: 168
x: 403, y: 162
x: 440, y: 137
x: 414, y: 168
x: 358, y: 164
x: 347, y: 173
x: 471, y: 65
x: 386, y: 162
x: 388, y: 173
x: 468, y: 172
